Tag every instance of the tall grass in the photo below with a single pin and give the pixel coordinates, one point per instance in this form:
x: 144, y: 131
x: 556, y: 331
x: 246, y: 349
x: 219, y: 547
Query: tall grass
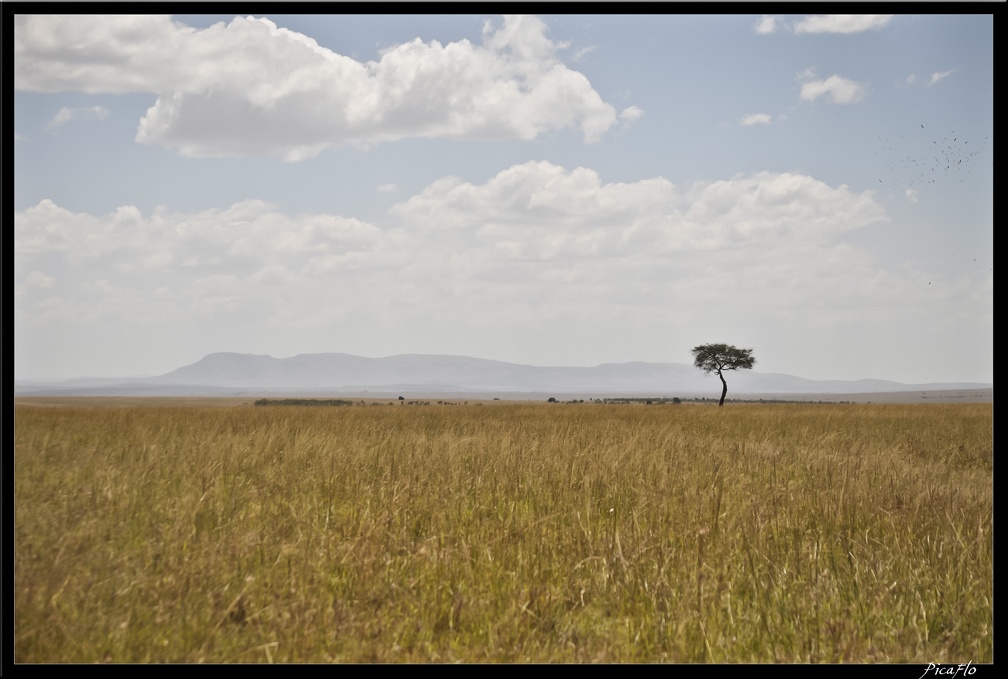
x: 504, y: 533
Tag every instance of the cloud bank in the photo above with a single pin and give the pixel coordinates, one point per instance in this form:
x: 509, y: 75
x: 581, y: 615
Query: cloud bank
x: 536, y: 240
x: 249, y: 88
x: 538, y: 250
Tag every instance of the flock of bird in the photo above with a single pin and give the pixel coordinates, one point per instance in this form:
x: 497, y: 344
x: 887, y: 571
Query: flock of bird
x: 942, y: 159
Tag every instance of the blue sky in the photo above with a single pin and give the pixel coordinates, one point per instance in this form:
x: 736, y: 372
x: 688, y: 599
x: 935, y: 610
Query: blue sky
x: 551, y: 190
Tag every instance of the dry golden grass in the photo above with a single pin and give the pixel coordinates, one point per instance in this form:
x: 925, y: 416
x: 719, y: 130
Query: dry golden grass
x: 507, y: 533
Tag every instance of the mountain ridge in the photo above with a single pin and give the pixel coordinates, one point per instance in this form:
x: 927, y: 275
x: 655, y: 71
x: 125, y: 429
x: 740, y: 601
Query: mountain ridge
x: 447, y: 373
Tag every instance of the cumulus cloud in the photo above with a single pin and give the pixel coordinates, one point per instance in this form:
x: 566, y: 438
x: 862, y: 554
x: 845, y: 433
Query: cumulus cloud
x: 530, y: 225
x: 842, y: 23
x: 66, y: 114
x: 526, y: 200
x: 251, y: 88
x: 835, y: 88
x: 537, y: 248
x: 755, y: 119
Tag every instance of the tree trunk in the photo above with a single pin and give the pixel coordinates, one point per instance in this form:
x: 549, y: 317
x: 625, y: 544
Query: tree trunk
x: 724, y: 389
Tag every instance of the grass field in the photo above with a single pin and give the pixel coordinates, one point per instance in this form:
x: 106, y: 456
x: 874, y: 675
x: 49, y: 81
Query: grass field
x: 225, y: 532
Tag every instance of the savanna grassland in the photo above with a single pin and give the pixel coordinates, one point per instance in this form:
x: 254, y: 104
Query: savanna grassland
x: 503, y: 532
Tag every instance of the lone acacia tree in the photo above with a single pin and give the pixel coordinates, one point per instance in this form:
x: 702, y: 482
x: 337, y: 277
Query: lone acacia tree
x: 717, y: 358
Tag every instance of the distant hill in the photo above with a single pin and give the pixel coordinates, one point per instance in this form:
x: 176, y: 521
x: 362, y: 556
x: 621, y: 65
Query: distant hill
x: 229, y: 373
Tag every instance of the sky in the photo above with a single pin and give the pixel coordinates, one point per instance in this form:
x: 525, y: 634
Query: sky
x: 554, y: 190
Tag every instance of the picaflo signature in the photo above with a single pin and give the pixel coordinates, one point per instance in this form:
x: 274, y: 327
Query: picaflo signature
x: 949, y: 670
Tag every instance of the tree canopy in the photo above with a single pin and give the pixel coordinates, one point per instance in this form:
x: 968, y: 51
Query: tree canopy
x: 717, y: 358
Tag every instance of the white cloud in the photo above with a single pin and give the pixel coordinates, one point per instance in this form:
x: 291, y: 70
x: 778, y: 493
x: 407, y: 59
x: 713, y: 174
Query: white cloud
x: 766, y: 24
x: 66, y: 114
x: 95, y: 54
x: 37, y: 279
x: 249, y: 87
x: 837, y: 89
x: 842, y: 23
x: 536, y: 250
x: 630, y: 114
x: 936, y: 77
x: 755, y: 119
x: 481, y: 246
x: 520, y: 205
x: 536, y: 220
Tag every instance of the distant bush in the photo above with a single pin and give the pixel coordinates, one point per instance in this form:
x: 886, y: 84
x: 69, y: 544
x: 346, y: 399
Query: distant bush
x: 645, y: 401
x: 303, y: 402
